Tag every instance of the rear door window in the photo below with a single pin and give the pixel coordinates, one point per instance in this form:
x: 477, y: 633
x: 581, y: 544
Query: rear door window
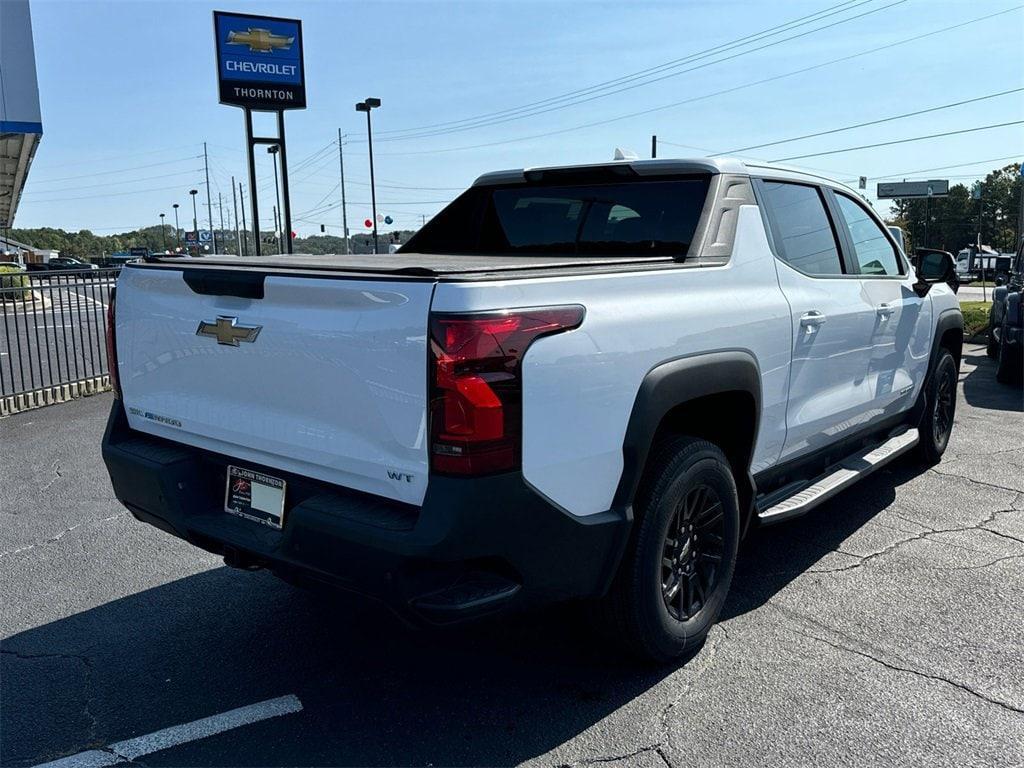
x: 874, y: 253
x: 642, y: 217
x: 802, y: 229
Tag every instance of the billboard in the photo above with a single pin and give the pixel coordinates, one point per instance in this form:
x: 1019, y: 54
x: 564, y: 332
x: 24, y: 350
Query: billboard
x: 259, y: 61
x: 19, y: 107
x: 933, y: 188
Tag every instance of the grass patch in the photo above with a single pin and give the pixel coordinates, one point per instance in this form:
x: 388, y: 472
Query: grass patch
x: 975, y: 316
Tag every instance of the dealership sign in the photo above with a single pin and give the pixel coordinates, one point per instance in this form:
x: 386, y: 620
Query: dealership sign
x: 904, y: 189
x: 259, y: 61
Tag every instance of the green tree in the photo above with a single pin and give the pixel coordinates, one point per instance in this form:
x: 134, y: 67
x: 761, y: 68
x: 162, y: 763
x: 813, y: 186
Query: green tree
x: 953, y: 222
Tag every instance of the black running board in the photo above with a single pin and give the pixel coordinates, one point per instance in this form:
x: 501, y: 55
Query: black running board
x: 802, y: 498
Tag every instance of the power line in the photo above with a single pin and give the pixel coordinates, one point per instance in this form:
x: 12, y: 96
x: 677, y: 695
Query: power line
x: 870, y: 122
x: 61, y: 190
x: 632, y: 76
x: 947, y: 167
x: 712, y: 94
x: 120, y: 170
x: 110, y: 194
x: 535, y: 112
x: 900, y: 141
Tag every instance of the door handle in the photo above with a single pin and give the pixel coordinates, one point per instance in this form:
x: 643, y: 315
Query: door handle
x: 884, y: 310
x: 810, y: 321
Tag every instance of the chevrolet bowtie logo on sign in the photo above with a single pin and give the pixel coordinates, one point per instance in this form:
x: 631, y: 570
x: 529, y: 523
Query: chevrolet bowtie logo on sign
x: 226, y: 330
x: 259, y: 61
x: 262, y: 40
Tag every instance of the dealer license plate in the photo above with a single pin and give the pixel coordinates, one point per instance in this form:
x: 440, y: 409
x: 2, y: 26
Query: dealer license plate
x: 255, y: 496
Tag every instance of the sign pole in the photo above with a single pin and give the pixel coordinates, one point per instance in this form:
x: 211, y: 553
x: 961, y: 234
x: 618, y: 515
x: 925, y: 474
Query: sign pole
x: 287, y: 212
x: 252, y: 180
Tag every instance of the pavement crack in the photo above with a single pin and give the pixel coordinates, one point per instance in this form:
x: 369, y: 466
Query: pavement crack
x: 988, y: 564
x: 925, y: 534
x: 656, y: 748
x: 916, y: 672
x: 937, y: 471
x: 57, y: 537
x: 57, y: 475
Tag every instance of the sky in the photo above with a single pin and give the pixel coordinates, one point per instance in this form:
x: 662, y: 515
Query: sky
x: 128, y: 94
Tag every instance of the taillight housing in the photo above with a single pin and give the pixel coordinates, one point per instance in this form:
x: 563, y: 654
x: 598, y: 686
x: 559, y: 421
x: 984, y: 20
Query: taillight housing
x: 476, y: 385
x: 115, y: 382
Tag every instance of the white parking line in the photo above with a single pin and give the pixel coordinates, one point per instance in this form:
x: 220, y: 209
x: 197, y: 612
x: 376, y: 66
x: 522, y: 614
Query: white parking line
x: 140, y: 746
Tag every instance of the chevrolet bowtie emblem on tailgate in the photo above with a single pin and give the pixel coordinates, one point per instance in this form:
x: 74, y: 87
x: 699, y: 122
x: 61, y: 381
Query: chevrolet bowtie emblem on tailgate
x: 226, y: 330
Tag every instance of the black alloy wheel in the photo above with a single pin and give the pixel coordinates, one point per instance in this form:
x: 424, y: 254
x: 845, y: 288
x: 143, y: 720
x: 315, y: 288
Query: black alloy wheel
x: 692, y: 553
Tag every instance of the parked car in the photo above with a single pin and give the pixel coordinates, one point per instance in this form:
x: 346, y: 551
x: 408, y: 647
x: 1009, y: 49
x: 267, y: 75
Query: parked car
x: 1006, y: 323
x: 573, y: 382
x: 60, y: 263
x: 12, y: 265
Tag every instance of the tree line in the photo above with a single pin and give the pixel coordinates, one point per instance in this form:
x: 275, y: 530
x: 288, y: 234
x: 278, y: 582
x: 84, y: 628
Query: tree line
x: 953, y: 222
x: 86, y: 245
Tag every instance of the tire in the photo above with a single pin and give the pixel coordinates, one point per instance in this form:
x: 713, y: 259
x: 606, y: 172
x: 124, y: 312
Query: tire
x: 940, y: 409
x: 669, y: 590
x: 1008, y: 364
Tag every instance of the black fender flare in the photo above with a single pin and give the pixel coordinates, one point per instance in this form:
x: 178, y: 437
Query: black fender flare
x: 950, y: 319
x: 673, y: 383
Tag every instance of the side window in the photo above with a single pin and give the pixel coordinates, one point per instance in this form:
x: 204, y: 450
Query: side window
x: 802, y: 229
x: 873, y: 252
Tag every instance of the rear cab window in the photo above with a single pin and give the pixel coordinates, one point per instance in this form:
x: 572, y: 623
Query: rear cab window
x: 636, y: 217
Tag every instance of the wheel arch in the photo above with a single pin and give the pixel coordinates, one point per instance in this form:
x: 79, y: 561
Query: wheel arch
x: 715, y: 396
x: 949, y: 334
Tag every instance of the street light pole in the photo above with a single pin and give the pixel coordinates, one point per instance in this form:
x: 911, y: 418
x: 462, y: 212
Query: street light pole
x: 195, y: 218
x: 273, y: 149
x: 163, y: 232
x: 366, y: 106
x: 177, y: 229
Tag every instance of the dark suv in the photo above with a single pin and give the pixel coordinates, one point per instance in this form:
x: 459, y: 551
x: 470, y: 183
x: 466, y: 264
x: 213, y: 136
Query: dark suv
x: 1006, y: 323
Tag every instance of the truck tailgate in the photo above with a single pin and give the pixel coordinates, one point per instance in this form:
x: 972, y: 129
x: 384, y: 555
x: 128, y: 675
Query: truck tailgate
x: 332, y: 385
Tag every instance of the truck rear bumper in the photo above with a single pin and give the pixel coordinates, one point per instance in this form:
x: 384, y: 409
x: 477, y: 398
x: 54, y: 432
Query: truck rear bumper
x: 475, y: 546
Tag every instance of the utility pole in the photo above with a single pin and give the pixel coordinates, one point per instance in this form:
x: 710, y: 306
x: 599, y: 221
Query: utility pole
x: 234, y: 205
x: 654, y: 146
x: 245, y: 227
x: 344, y: 213
x: 1020, y: 216
x: 277, y: 230
x: 220, y: 205
x: 209, y: 202
x: 984, y: 291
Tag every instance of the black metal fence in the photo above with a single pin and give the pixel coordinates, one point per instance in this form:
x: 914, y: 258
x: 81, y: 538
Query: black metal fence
x: 52, y: 335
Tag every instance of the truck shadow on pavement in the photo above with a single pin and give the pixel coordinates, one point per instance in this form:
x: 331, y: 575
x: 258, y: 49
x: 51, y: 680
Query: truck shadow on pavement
x: 374, y: 692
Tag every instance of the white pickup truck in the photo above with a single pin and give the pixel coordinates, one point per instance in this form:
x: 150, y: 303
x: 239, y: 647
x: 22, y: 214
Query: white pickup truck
x: 578, y: 382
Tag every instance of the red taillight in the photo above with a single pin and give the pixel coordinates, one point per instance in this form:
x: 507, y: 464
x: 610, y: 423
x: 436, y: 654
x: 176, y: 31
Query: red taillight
x: 115, y: 383
x: 476, y: 385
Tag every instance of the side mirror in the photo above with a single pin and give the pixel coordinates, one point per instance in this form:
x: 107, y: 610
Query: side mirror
x: 933, y: 267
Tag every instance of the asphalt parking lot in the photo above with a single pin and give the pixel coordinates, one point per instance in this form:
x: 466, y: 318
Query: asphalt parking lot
x: 885, y: 628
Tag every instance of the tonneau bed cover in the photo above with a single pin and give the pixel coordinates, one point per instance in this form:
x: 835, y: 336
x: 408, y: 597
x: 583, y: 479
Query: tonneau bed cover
x: 409, y: 264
